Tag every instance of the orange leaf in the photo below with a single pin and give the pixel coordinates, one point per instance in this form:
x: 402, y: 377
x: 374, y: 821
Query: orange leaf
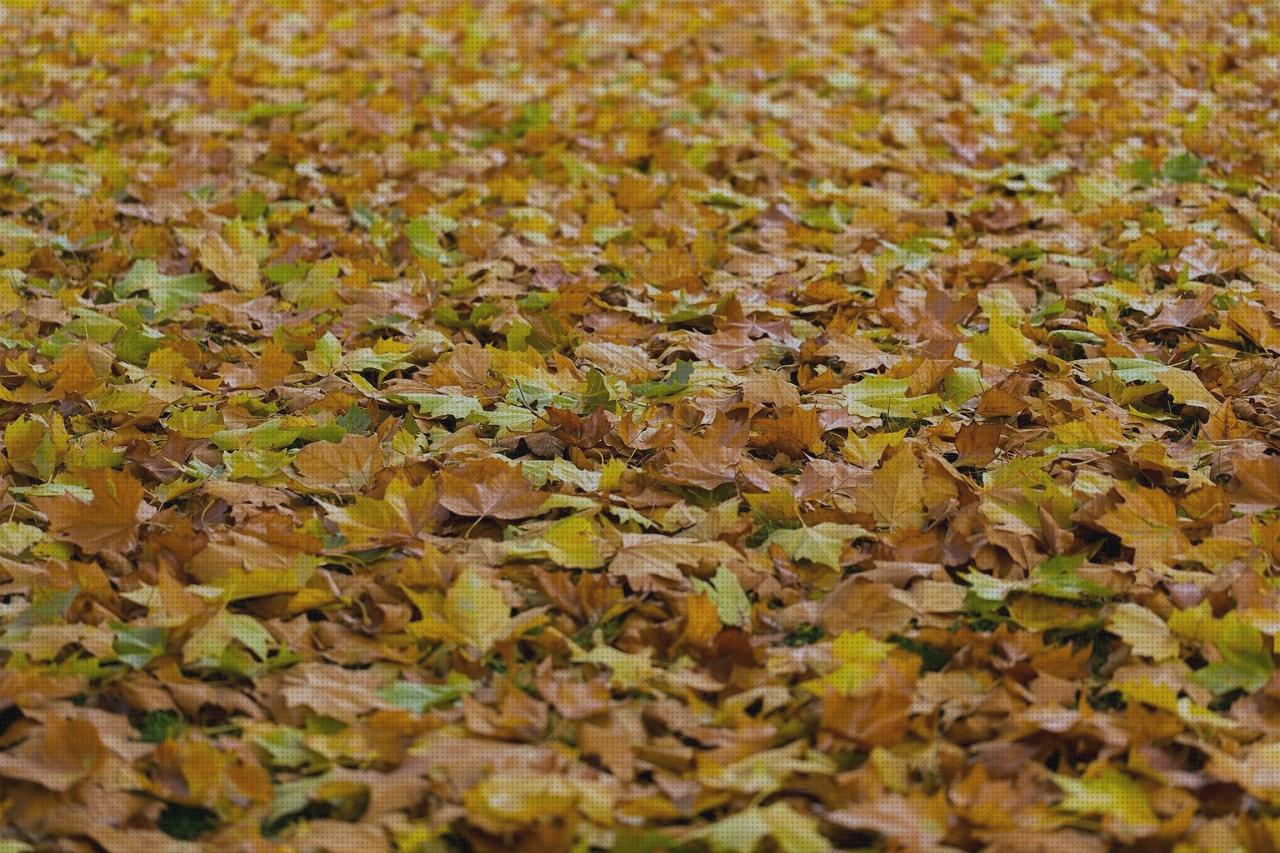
x: 107, y: 523
x: 345, y: 467
x: 489, y: 488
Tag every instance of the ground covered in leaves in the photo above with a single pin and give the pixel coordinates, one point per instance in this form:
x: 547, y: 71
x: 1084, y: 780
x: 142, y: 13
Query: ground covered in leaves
x: 638, y: 426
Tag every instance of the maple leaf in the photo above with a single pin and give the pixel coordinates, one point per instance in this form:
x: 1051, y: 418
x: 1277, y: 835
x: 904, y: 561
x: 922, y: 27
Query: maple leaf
x: 701, y: 462
x: 1116, y: 796
x: 793, y: 431
x: 726, y: 592
x: 237, y: 268
x: 505, y: 802
x: 60, y: 754
x: 168, y: 293
x: 33, y: 447
x: 858, y: 656
x: 1244, y: 661
x: 488, y: 488
x: 1147, y: 521
x: 1186, y: 388
x: 1145, y: 632
x: 629, y: 670
x: 398, y: 517
x: 487, y: 412
x: 880, y: 395
x: 821, y: 543
x: 896, y: 496
x: 207, y: 645
x: 473, y: 612
x: 644, y: 557
x: 572, y: 542
x: 1001, y: 345
x: 703, y: 619
x: 273, y: 366
x: 108, y: 522
x: 743, y: 831
x: 1256, y: 324
x: 345, y: 467
x: 1166, y: 698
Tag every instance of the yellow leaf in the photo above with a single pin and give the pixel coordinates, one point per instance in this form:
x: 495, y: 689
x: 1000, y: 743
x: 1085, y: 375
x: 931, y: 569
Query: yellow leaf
x: 743, y: 831
x: 897, y: 492
x: 865, y: 451
x: 9, y: 299
x: 476, y: 608
x: 472, y: 613
x: 1116, y: 796
x: 1164, y: 697
x: 1147, y: 522
x: 1143, y: 631
x: 703, y: 620
x: 859, y: 656
x: 572, y: 542
x: 1001, y: 345
x: 507, y: 801
x: 29, y: 448
x: 631, y: 670
x: 238, y: 269
x: 1186, y: 389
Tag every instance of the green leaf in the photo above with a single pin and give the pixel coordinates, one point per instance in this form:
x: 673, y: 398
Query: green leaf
x: 743, y: 831
x: 266, y: 110
x: 158, y: 726
x: 962, y: 385
x: 416, y: 697
x: 168, y: 293
x: 732, y: 604
x: 1245, y: 662
x: 880, y: 395
x: 602, y: 234
x: 597, y: 394
x: 638, y: 841
x: 675, y: 382
x: 1057, y: 578
x: 1113, y: 794
x: 324, y: 358
x: 1182, y: 168
x: 285, y: 748
x: 207, y: 643
x: 1141, y: 171
x: 442, y: 405
x: 819, y: 543
x: 833, y: 217
x: 1137, y: 369
x: 137, y: 647
x: 251, y: 204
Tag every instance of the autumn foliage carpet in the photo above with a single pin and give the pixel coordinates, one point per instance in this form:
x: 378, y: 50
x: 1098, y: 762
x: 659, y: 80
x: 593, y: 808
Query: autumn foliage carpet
x: 646, y: 425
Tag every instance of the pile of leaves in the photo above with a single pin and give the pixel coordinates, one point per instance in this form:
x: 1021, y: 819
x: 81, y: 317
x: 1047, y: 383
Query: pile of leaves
x: 639, y: 425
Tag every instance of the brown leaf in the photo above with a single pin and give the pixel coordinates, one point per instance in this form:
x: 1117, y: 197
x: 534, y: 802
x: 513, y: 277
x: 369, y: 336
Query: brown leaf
x: 1147, y: 521
x: 272, y: 367
x: 792, y: 431
x: 109, y: 522
x: 977, y: 444
x: 488, y: 488
x: 63, y: 752
x: 346, y: 467
x: 896, y: 497
x: 877, y: 714
x: 701, y: 462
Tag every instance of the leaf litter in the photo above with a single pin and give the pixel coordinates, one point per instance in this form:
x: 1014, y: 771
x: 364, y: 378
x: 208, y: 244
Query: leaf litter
x: 639, y: 426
